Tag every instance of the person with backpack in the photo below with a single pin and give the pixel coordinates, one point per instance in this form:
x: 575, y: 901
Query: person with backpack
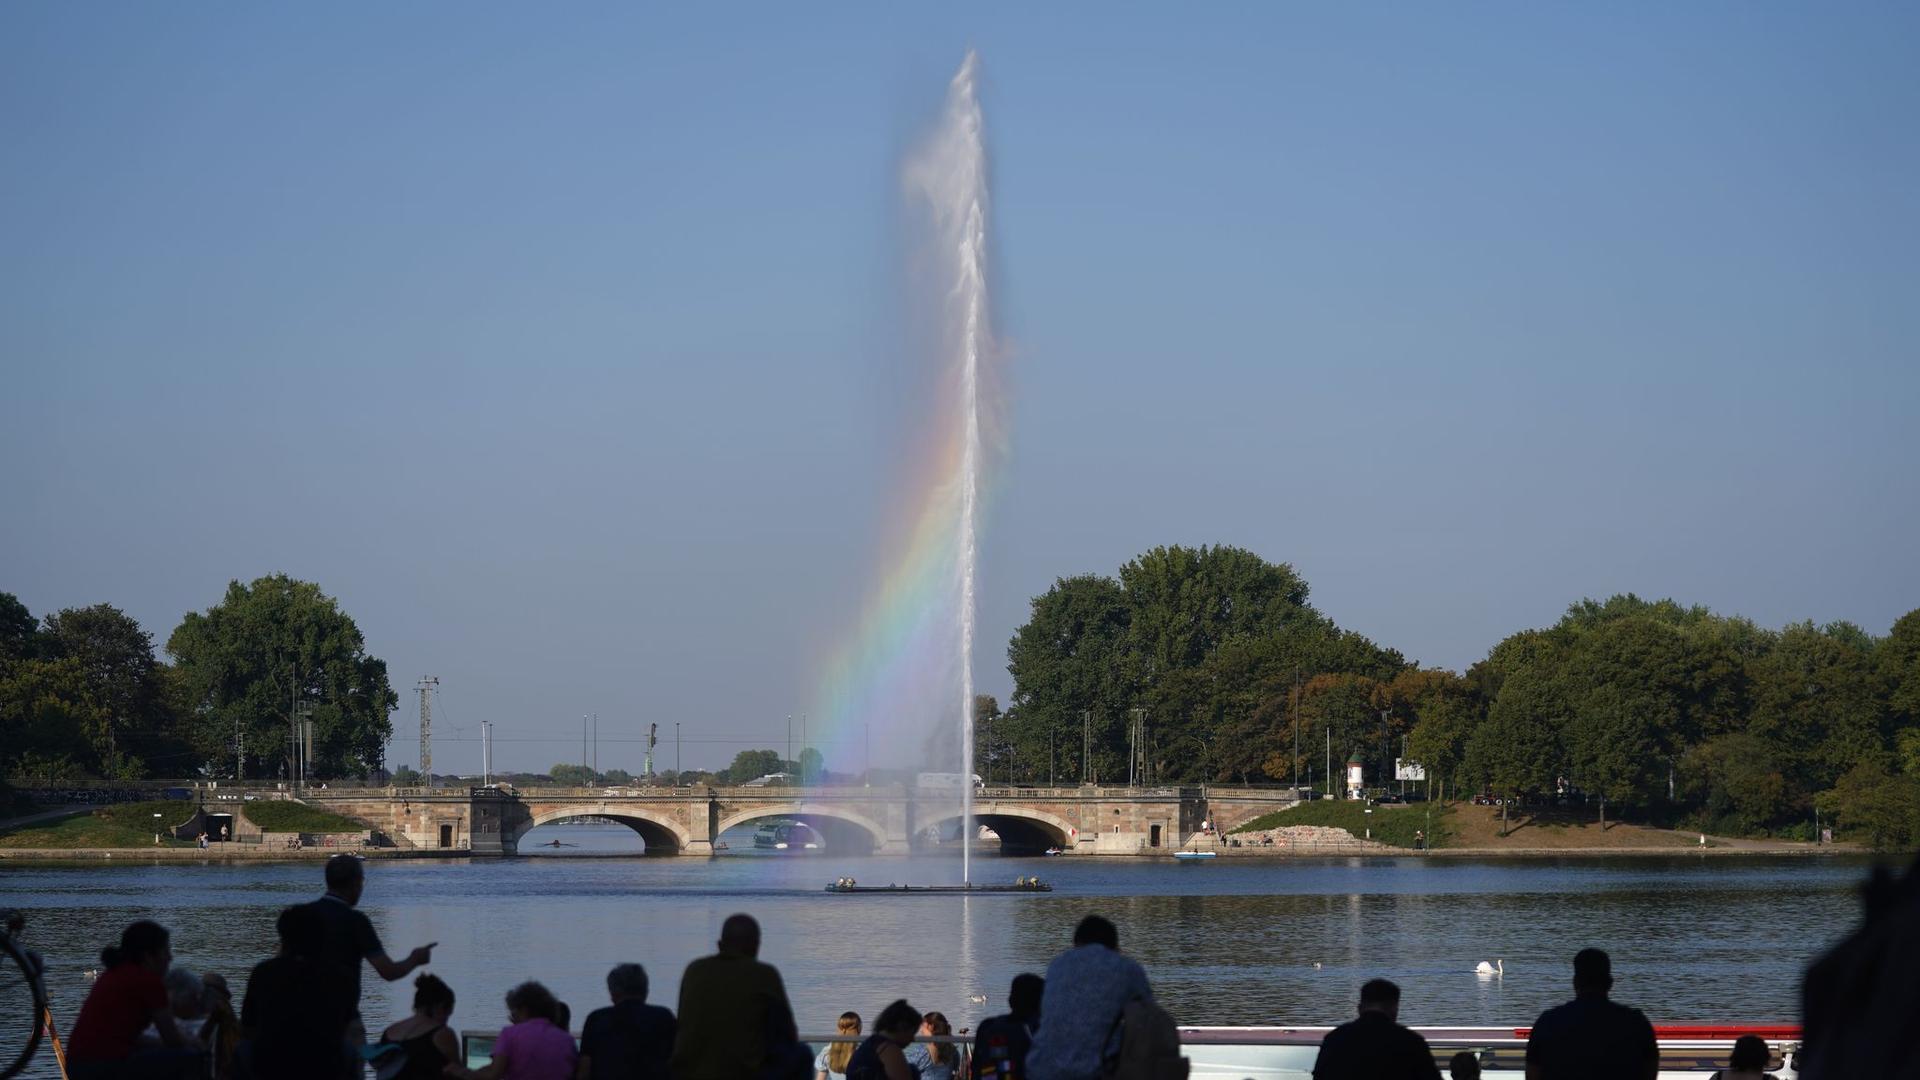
x: 1088, y: 989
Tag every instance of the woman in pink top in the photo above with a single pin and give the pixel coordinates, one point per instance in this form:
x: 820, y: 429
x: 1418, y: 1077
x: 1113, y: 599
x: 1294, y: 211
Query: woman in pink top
x: 531, y: 1046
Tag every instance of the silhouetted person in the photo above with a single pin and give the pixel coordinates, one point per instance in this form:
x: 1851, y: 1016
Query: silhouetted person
x: 350, y: 938
x: 1001, y: 1044
x: 1374, y: 1046
x: 735, y: 1020
x: 1591, y: 1037
x: 1856, y: 1006
x: 424, y: 1042
x: 294, y: 1016
x: 1748, y: 1060
x: 1087, y: 989
x: 883, y: 1055
x: 1463, y: 1066
x: 630, y: 1039
x: 130, y: 994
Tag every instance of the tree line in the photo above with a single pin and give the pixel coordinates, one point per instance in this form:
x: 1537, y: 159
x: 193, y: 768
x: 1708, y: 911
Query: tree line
x: 1209, y: 664
x: 83, y: 696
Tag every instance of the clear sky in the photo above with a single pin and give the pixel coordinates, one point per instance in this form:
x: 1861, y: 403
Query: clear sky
x: 563, y: 345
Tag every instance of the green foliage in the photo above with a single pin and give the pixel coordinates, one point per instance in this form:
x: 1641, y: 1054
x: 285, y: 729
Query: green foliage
x: 285, y: 815
x: 752, y: 765
x: 571, y: 775
x: 1390, y: 824
x: 1202, y: 649
x: 1873, y: 806
x: 407, y: 776
x: 120, y: 825
x: 247, y: 661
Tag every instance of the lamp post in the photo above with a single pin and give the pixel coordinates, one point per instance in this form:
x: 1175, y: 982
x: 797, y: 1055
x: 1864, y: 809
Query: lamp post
x: 156, y: 830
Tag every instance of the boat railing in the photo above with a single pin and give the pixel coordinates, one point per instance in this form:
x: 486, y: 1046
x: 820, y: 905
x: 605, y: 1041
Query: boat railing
x: 1288, y: 1053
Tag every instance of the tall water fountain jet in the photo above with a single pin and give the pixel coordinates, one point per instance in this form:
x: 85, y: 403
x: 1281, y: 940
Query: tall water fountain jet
x: 912, y: 657
x: 949, y: 175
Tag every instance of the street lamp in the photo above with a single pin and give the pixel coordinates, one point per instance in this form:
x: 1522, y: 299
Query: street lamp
x: 156, y: 829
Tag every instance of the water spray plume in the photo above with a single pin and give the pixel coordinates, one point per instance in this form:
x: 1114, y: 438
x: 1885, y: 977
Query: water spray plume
x: 913, y: 654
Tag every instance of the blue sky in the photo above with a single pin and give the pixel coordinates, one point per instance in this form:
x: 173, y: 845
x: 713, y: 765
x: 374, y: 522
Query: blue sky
x: 564, y: 346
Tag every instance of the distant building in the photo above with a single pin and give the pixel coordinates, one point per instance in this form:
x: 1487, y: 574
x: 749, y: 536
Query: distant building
x: 1356, y: 775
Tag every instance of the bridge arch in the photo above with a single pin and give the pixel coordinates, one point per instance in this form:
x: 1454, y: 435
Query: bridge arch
x: 663, y: 835
x: 1022, y: 829
x: 845, y: 831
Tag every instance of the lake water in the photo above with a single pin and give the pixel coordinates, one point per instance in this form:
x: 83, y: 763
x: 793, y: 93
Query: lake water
x: 1231, y: 941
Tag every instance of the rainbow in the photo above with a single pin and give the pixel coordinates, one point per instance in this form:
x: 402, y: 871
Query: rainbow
x: 898, y: 691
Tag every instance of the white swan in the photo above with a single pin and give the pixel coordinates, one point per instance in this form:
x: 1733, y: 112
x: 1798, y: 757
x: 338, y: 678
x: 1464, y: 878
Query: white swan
x: 1498, y: 967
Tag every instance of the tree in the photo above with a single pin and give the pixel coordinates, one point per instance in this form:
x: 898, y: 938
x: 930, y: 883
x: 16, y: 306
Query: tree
x: 1735, y: 782
x: 1870, y: 802
x: 115, y: 657
x: 1817, y: 700
x: 1898, y: 657
x: 266, y: 647
x: 1625, y: 685
x: 1068, y: 661
x: 811, y: 764
x: 1445, y: 714
x: 572, y: 775
x: 1517, y: 750
x: 45, y: 713
x: 752, y: 765
x: 19, y: 632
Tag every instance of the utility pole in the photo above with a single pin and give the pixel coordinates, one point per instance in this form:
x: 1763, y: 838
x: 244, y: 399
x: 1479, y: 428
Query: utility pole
x: 653, y: 737
x: 486, y: 752
x: 789, y: 740
x: 803, y: 748
x: 676, y: 753
x: 1086, y: 746
x: 1294, y: 694
x: 426, y: 688
x: 596, y: 748
x: 583, y: 742
x: 1329, y: 759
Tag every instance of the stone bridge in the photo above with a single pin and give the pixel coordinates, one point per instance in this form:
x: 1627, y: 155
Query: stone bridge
x: 880, y: 820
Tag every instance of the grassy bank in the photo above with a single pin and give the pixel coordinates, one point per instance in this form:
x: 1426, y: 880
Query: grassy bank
x: 282, y: 816
x: 124, y: 825
x: 1392, y: 825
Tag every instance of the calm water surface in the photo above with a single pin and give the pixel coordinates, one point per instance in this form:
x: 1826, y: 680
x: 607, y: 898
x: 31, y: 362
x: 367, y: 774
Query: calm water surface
x: 1232, y: 941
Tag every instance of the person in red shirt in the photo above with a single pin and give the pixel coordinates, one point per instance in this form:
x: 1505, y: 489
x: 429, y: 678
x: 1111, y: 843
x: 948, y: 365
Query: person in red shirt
x: 128, y: 996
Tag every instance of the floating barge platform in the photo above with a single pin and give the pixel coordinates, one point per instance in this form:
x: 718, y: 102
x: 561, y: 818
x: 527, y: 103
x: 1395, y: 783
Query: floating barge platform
x: 1025, y: 885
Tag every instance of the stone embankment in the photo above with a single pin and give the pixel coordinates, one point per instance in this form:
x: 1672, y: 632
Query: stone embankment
x: 1306, y: 840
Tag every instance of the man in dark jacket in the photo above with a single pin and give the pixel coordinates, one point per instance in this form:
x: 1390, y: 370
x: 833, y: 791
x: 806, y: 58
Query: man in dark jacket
x: 1000, y: 1046
x: 734, y: 1020
x: 630, y: 1039
x: 1590, y: 1037
x: 1374, y: 1046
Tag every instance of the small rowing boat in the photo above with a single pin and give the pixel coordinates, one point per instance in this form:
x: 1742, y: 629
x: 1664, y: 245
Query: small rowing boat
x: 1190, y: 856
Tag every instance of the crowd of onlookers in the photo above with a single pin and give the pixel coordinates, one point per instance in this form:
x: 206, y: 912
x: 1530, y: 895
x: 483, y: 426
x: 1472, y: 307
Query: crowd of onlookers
x: 1091, y: 1017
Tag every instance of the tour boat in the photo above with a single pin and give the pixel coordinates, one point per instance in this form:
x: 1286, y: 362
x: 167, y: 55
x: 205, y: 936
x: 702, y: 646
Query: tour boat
x: 786, y: 836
